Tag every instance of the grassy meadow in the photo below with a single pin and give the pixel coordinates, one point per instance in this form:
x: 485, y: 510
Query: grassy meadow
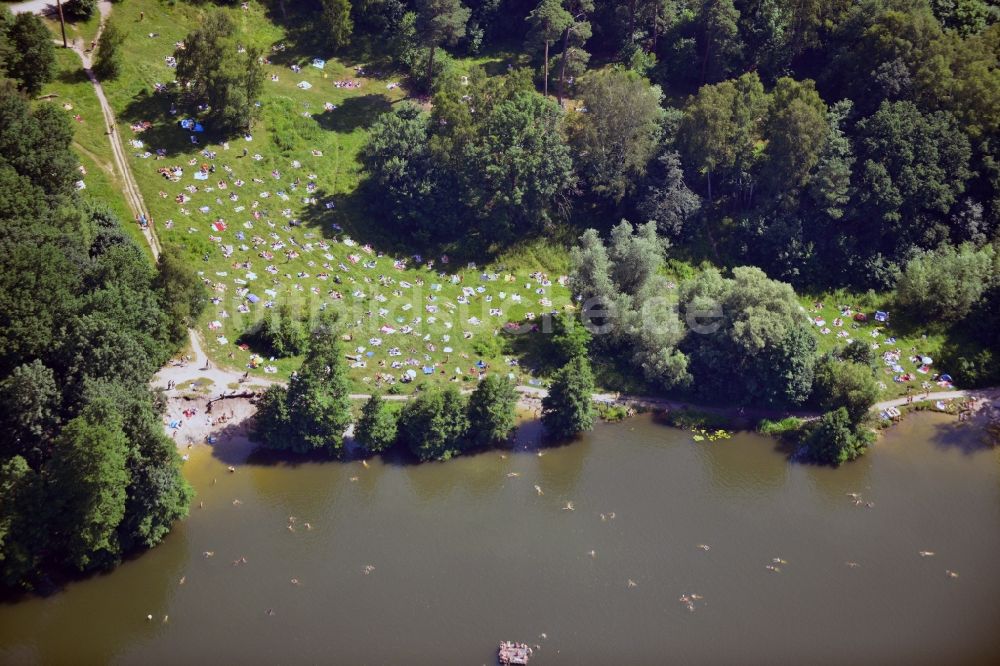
x: 275, y: 218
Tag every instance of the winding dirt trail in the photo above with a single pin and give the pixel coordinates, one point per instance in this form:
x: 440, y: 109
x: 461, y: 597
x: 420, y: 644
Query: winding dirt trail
x: 133, y: 196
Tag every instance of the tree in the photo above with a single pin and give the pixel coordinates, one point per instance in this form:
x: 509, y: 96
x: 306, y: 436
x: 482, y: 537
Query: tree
x: 568, y: 408
x: 848, y: 385
x: 721, y: 130
x: 619, y: 134
x: 31, y: 57
x: 434, y: 424
x: 157, y: 494
x: 213, y: 72
x: 668, y: 201
x: 796, y: 131
x: 88, y: 480
x: 720, y: 40
x: 912, y: 168
x: 946, y: 284
x: 833, y: 441
x: 273, y: 423
x: 337, y: 23
x: 108, y: 63
x: 20, y: 512
x: 404, y: 179
x: 752, y: 345
x: 967, y: 16
x: 573, y: 59
x: 858, y: 351
x: 79, y: 10
x: 637, y: 255
x: 590, y: 275
x: 182, y: 292
x: 570, y: 338
x: 639, y: 319
x: 548, y: 21
x: 283, y: 333
x: 319, y: 403
x: 31, y: 403
x: 520, y: 173
x: 830, y: 183
x: 376, y: 429
x: 440, y: 22
x: 491, y: 411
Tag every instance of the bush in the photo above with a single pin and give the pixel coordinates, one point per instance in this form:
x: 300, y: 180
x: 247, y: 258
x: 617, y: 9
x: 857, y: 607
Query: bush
x: 434, y: 424
x: 79, y: 10
x: 780, y: 428
x: 376, y: 429
x: 845, y: 384
x: 108, y: 63
x: 946, y: 284
x: 281, y: 334
x: 833, y: 440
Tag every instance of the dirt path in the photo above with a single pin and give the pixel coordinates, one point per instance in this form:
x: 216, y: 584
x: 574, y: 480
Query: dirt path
x: 984, y: 394
x: 133, y: 196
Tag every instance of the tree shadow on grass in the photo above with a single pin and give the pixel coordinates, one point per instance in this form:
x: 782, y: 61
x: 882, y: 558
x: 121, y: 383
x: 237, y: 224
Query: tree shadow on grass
x: 73, y: 76
x: 354, y: 113
x: 165, y: 133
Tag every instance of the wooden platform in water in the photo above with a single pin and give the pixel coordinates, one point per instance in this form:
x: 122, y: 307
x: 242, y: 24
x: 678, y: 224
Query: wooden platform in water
x: 513, y: 653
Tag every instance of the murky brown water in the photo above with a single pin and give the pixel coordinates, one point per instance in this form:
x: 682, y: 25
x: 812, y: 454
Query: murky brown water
x: 465, y: 556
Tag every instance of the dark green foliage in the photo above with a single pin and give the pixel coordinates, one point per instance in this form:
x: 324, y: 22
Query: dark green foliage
x: 88, y: 474
x: 668, y: 201
x: 748, y: 342
x: 859, y: 352
x: 273, y: 424
x: 31, y: 405
x: 30, y: 56
x: 502, y: 172
x: 434, y: 424
x: 719, y: 40
x: 848, y: 385
x: 626, y: 300
x: 337, y: 23
x: 568, y: 409
x: 376, y: 428
x: 315, y: 410
x: 281, y: 333
x: 619, y: 134
x: 212, y: 72
x: 492, y: 411
x: 912, y: 167
x: 108, y: 62
x: 570, y: 339
x: 548, y: 21
x: 833, y: 440
x: 439, y: 22
x: 945, y: 285
x: 182, y: 292
x: 87, y: 478
x: 20, y: 536
x: 79, y: 10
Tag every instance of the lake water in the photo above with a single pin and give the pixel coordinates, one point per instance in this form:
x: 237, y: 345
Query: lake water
x: 465, y: 556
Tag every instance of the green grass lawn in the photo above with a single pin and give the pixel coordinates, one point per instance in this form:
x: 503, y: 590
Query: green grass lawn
x: 280, y: 222
x: 72, y: 92
x: 898, y: 335
x: 81, y: 32
x: 283, y: 223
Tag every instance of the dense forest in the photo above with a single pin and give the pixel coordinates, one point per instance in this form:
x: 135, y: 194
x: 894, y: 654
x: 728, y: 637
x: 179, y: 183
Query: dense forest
x: 87, y: 474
